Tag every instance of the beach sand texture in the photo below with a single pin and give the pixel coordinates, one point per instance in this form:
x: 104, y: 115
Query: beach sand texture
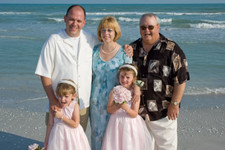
x: 198, y: 128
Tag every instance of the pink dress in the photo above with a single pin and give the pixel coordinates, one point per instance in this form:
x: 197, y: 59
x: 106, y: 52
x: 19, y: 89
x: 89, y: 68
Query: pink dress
x: 126, y: 133
x: 64, y: 137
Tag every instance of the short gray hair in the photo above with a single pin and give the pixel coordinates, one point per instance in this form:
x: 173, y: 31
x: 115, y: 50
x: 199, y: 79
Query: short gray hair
x: 150, y: 15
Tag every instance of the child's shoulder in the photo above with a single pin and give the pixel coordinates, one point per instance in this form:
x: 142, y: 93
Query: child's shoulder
x: 72, y: 104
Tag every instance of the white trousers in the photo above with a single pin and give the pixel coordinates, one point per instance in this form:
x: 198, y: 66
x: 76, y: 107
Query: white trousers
x: 164, y: 132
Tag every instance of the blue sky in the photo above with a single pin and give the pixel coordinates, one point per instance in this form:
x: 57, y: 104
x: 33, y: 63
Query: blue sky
x: 110, y: 1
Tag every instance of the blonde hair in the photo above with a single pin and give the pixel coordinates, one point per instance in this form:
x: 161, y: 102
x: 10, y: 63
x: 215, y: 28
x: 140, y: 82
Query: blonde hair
x: 63, y: 89
x: 112, y: 23
x: 126, y: 69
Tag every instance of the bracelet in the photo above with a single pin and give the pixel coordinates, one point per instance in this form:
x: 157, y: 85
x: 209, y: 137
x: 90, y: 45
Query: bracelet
x: 61, y: 118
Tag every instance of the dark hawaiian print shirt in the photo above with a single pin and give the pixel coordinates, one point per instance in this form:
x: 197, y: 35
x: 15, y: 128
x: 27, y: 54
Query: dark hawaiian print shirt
x: 164, y: 66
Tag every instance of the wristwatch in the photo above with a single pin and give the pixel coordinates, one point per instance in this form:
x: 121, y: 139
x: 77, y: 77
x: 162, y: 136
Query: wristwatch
x: 175, y: 103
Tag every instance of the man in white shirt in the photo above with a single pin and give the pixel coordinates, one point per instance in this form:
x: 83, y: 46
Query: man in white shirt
x: 68, y: 55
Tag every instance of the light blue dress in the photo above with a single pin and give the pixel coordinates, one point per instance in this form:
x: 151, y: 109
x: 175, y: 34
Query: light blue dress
x: 105, y: 77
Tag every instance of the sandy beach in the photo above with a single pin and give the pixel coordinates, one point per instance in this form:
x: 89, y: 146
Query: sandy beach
x: 200, y: 127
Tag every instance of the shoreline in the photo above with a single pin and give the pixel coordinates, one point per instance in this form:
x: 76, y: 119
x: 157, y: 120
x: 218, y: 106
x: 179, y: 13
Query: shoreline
x: 199, y: 128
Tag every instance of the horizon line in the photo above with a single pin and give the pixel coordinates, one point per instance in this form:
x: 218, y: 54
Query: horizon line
x: 117, y: 3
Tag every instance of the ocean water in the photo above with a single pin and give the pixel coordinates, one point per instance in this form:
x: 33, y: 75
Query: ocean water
x: 198, y: 29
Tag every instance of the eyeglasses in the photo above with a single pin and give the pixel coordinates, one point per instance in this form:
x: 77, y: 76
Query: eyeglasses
x: 150, y: 27
x: 108, y: 30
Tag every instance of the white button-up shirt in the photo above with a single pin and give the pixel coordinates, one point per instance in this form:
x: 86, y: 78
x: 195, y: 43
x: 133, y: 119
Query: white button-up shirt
x: 58, y: 60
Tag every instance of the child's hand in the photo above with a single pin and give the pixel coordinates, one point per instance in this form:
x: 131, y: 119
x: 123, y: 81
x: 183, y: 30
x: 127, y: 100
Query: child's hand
x: 58, y: 114
x: 56, y: 111
x: 117, y: 105
x: 124, y: 106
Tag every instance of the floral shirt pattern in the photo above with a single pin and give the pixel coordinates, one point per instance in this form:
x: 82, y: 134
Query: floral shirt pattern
x: 105, y: 77
x: 164, y: 66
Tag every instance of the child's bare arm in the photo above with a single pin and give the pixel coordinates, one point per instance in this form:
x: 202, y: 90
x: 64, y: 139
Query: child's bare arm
x: 74, y: 122
x: 133, y: 111
x: 136, y: 94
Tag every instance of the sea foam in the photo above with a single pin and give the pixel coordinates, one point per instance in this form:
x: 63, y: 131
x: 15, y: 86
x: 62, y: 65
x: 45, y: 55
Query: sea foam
x: 188, y: 14
x: 57, y: 19
x: 204, y: 91
x: 208, y: 26
x: 114, y: 13
x: 15, y: 13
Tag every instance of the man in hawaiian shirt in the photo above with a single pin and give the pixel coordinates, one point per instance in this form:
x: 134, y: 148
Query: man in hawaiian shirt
x: 163, y: 68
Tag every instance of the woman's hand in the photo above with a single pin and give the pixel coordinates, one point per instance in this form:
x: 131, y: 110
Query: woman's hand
x: 128, y: 50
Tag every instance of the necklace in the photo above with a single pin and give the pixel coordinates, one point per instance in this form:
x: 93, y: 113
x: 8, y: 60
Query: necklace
x: 101, y: 49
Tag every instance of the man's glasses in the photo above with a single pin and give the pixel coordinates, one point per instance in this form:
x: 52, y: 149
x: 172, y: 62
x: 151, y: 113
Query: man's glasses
x: 150, y: 27
x: 108, y: 30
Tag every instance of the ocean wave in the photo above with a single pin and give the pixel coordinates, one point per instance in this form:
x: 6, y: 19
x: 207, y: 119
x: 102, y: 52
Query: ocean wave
x: 94, y: 19
x: 15, y: 13
x: 204, y: 91
x: 208, y: 26
x: 128, y: 19
x: 16, y: 37
x: 121, y: 13
x: 57, y: 19
x: 32, y: 99
x: 3, y: 30
x: 214, y: 21
x: 137, y: 20
x: 114, y: 13
x: 166, y: 20
x: 14, y: 30
x: 158, y: 13
x: 188, y: 14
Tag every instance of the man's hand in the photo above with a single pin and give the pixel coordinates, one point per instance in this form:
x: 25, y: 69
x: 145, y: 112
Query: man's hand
x: 54, y: 101
x: 47, y: 85
x: 173, y: 112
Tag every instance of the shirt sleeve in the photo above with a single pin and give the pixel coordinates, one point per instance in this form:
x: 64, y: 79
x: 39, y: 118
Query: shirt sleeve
x: 180, y: 66
x: 45, y: 63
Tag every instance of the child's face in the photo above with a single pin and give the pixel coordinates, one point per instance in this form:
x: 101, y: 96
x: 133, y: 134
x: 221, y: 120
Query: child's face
x: 65, y: 100
x: 126, y: 79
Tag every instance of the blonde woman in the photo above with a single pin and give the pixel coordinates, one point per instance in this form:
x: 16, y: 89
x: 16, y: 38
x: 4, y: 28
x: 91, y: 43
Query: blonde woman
x: 107, y: 57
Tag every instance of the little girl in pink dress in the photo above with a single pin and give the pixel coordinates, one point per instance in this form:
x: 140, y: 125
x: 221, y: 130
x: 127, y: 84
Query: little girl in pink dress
x: 64, y: 131
x: 126, y: 130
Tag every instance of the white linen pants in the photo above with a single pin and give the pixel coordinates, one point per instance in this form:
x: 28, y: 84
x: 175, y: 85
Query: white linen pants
x: 164, y: 132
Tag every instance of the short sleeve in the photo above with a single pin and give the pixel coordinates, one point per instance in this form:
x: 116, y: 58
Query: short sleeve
x: 45, y: 63
x: 180, y: 66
